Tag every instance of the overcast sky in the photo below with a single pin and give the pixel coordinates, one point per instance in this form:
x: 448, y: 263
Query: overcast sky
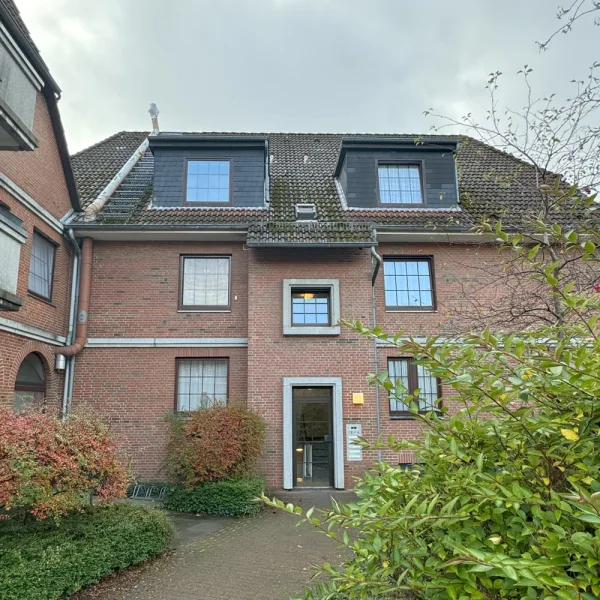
x: 292, y: 65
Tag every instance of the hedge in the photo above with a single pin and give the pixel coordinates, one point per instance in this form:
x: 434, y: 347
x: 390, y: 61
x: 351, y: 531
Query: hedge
x: 44, y: 560
x: 225, y: 498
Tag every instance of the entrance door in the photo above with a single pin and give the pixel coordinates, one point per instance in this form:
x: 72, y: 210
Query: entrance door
x: 313, y: 436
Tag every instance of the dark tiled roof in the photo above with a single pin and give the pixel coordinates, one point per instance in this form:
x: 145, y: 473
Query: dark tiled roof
x: 301, y: 171
x: 95, y: 166
x: 327, y: 234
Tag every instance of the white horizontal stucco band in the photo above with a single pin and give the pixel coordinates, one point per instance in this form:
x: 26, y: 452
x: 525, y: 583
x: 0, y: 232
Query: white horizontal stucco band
x: 34, y: 333
x: 167, y: 343
x: 23, y: 197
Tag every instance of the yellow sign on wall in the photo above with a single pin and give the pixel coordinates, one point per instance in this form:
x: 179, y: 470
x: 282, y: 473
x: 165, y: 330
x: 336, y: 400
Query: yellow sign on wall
x: 358, y: 398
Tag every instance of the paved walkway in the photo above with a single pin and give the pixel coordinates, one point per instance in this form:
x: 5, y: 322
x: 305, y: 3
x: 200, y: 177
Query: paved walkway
x: 262, y: 558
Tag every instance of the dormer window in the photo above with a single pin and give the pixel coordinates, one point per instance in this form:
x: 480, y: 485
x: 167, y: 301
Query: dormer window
x: 400, y: 183
x: 306, y: 212
x: 208, y: 181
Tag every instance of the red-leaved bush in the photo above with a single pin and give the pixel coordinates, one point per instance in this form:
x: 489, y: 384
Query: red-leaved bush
x: 214, y: 443
x: 49, y: 467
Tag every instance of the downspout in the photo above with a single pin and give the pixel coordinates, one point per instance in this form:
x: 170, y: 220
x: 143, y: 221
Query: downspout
x: 378, y: 262
x: 70, y: 368
x: 83, y: 303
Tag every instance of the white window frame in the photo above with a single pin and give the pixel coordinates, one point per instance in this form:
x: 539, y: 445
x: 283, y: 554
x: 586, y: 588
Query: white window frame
x: 329, y: 285
x: 212, y: 401
x: 203, y: 307
x: 49, y: 245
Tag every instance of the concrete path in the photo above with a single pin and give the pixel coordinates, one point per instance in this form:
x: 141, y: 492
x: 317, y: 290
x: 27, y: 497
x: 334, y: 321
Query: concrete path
x: 262, y: 558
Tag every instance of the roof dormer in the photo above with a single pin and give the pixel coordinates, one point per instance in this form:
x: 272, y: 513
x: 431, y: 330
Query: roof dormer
x: 209, y: 171
x: 402, y: 173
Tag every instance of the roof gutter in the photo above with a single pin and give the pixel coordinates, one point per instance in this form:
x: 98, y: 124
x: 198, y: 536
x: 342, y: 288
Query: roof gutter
x: 82, y: 227
x: 311, y: 244
x: 96, y: 206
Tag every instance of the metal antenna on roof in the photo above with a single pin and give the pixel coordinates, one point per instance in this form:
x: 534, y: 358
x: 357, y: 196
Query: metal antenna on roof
x: 153, y: 112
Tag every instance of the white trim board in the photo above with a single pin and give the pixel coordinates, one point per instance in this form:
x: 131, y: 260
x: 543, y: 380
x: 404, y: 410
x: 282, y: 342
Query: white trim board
x: 167, y: 343
x: 34, y: 333
x: 338, y: 433
x: 23, y: 197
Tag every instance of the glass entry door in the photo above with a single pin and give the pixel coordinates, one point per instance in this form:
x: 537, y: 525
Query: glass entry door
x: 313, y: 436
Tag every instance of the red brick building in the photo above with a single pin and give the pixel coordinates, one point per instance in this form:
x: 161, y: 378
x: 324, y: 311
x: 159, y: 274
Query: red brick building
x: 37, y: 195
x: 222, y: 263
x: 205, y: 267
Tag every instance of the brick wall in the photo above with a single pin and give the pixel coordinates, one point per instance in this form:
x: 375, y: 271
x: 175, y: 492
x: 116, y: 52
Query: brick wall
x: 52, y: 315
x: 39, y: 173
x: 13, y: 350
x: 135, y: 294
x: 133, y: 389
x: 272, y: 356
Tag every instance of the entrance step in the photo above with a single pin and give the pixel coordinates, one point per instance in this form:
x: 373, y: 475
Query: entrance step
x: 321, y: 498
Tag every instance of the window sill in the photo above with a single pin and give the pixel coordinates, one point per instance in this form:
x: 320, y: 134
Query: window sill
x: 412, y: 416
x: 311, y: 331
x: 199, y: 310
x: 41, y: 299
x: 410, y: 310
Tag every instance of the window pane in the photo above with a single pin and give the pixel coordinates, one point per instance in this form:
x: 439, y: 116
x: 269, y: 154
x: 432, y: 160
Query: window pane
x: 205, y: 281
x: 410, y: 286
x: 201, y: 383
x: 208, y: 181
x: 398, y: 374
x: 428, y: 389
x: 310, y: 307
x: 400, y: 184
x: 41, y: 266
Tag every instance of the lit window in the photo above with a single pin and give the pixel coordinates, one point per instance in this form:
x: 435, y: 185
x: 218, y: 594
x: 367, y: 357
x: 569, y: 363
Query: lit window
x: 41, y: 267
x: 408, y: 283
x: 400, y: 184
x: 410, y: 376
x: 310, y: 307
x: 201, y: 383
x: 205, y: 282
x: 208, y: 181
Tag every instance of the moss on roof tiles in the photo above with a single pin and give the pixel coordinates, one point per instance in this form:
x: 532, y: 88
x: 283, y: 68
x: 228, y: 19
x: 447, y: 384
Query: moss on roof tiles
x: 491, y: 183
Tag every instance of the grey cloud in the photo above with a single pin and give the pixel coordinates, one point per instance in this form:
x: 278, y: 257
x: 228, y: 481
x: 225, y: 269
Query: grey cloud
x: 292, y: 65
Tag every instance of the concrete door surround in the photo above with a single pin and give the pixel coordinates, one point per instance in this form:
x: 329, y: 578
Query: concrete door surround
x: 338, y: 441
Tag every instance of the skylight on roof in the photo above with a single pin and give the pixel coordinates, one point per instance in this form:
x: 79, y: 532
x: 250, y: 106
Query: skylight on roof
x: 306, y: 212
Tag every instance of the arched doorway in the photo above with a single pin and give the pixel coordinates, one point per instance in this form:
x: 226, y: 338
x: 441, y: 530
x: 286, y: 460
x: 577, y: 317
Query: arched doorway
x: 30, y: 386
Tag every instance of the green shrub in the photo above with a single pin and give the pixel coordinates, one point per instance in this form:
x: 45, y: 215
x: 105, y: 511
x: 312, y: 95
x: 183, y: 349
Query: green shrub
x: 225, y: 498
x: 218, y: 442
x: 44, y: 560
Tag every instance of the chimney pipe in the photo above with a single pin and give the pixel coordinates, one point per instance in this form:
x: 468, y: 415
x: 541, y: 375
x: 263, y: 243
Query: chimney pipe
x: 153, y: 112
